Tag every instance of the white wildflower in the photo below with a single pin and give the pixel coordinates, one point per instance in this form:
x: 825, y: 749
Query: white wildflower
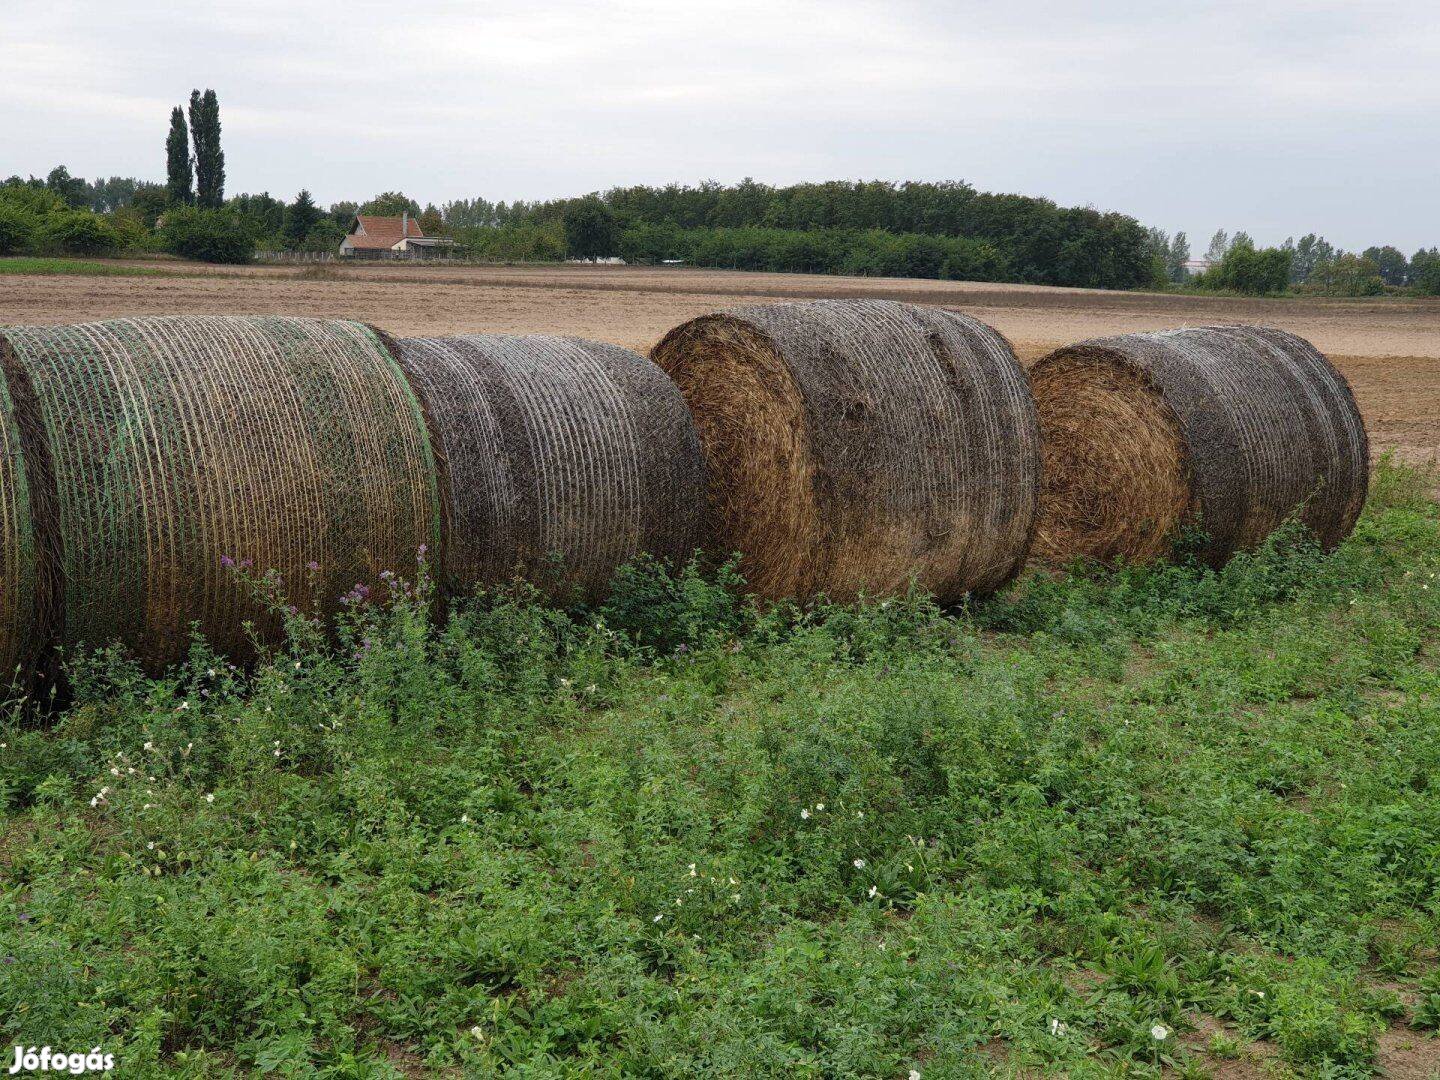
x: 819, y: 806
x: 210, y: 797
x: 805, y: 814
x: 657, y: 918
x: 478, y: 1033
x: 914, y: 1074
x: 692, y: 870
x: 1058, y: 1027
x: 873, y: 891
x: 859, y: 864
x: 464, y: 819
x: 149, y: 746
x: 150, y: 846
x: 184, y: 705
x: 1159, y: 1032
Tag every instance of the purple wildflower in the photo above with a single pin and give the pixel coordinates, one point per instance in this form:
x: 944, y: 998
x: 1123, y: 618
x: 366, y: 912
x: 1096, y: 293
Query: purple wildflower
x: 313, y: 566
x: 356, y: 595
x: 227, y: 562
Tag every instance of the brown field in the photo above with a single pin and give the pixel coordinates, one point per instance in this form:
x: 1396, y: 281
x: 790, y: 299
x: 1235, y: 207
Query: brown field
x: 1388, y: 348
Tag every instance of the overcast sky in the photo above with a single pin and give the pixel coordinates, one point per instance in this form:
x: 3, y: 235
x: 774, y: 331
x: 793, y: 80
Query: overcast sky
x: 1275, y: 117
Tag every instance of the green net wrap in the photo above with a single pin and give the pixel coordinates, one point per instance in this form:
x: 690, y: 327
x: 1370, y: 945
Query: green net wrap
x: 178, y: 441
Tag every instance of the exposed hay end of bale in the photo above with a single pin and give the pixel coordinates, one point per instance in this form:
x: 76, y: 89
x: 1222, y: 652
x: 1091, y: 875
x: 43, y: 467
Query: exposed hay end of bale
x: 24, y: 614
x: 1231, y: 429
x: 856, y: 446
x: 176, y: 441
x: 561, y: 459
x: 1105, y: 495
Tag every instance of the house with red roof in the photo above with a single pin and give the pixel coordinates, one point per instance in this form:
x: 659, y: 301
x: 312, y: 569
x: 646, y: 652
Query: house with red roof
x: 374, y: 237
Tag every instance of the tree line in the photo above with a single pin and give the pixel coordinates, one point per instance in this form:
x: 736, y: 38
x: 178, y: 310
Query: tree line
x: 876, y: 227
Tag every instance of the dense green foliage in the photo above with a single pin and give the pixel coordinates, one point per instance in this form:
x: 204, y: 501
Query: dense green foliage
x: 1250, y: 270
x: 179, y: 168
x: 823, y: 251
x: 215, y: 236
x: 209, y: 157
x: 512, y: 243
x: 1345, y: 275
x: 35, y: 219
x: 1007, y: 237
x: 679, y: 836
x: 590, y: 230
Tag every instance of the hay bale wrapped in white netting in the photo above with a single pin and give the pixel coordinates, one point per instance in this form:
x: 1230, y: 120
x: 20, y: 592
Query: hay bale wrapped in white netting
x: 174, y: 442
x: 560, y: 459
x: 856, y: 445
x: 1229, y: 429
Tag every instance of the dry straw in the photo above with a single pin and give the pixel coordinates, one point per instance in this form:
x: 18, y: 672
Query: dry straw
x: 560, y: 459
x: 1231, y: 429
x: 23, y: 608
x: 854, y: 446
x: 175, y: 442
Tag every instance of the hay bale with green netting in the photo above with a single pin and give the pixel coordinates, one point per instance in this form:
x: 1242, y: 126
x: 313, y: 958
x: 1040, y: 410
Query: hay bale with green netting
x: 856, y: 445
x: 560, y: 459
x: 175, y: 442
x: 26, y: 578
x: 1225, y: 429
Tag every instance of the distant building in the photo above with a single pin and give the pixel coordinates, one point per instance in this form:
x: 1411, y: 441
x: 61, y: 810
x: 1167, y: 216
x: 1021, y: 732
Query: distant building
x: 1196, y: 266
x: 373, y: 237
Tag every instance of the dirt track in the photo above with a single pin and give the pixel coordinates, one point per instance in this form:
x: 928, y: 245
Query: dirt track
x: 1389, y: 349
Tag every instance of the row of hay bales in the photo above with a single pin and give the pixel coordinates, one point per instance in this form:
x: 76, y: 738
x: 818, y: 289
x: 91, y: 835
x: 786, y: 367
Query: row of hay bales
x: 843, y: 447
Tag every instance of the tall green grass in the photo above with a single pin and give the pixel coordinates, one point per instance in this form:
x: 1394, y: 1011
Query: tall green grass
x: 1060, y: 830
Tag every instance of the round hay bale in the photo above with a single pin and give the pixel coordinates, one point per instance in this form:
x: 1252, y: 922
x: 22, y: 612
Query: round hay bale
x: 24, y: 610
x: 175, y: 442
x: 1231, y: 429
x: 560, y: 459
x: 856, y: 445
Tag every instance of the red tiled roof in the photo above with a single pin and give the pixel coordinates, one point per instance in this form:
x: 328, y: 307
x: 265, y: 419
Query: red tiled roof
x: 383, y: 233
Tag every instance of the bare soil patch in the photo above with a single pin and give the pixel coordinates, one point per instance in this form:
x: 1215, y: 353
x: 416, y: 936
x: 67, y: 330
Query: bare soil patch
x: 1389, y: 349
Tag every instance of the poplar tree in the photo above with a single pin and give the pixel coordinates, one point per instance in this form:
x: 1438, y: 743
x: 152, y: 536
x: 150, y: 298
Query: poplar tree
x: 209, y: 158
x: 179, y: 175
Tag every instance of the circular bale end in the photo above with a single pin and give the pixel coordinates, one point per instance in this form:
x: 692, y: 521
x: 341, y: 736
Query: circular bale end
x: 1114, y: 464
x: 24, y: 628
x: 750, y: 418
x: 856, y: 447
x: 1233, y: 429
x: 561, y: 459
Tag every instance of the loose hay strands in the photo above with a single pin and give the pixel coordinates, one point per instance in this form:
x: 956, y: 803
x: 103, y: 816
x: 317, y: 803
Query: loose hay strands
x: 1229, y: 428
x: 561, y: 458
x: 854, y: 446
x: 177, y: 441
x: 23, y: 614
